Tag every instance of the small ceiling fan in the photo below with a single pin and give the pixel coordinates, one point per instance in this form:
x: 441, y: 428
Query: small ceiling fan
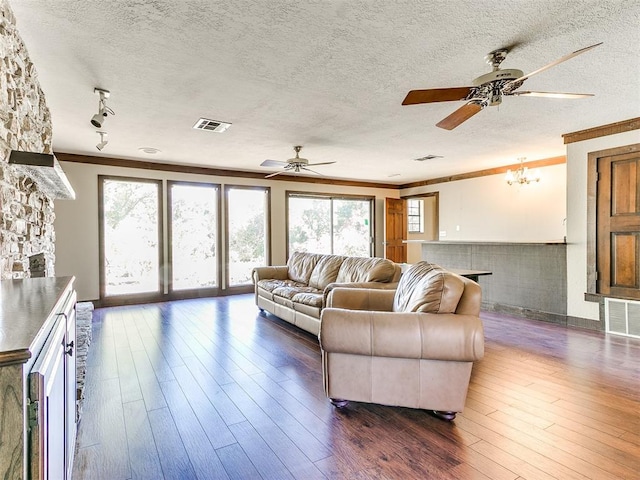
x: 294, y: 164
x: 488, y: 89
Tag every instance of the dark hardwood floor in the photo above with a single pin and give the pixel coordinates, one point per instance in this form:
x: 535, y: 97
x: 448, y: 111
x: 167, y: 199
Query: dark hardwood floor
x: 209, y: 389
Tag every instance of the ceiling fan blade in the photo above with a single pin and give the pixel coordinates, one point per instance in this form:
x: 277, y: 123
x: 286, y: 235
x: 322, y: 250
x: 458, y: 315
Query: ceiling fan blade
x: 553, y: 64
x: 272, y: 163
x: 274, y: 174
x: 436, y: 95
x: 462, y: 114
x: 312, y: 171
x: 552, y: 94
x: 322, y: 163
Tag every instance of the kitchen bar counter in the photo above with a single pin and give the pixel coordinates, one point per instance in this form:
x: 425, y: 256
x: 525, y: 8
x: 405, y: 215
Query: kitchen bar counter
x: 25, y: 306
x: 480, y: 242
x: 528, y: 278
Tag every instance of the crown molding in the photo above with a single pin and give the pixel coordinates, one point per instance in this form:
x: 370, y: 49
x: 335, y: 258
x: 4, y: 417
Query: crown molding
x: 602, y: 130
x: 168, y: 167
x: 545, y: 162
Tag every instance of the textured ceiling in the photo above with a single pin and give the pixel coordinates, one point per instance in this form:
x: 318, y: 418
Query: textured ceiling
x: 329, y: 75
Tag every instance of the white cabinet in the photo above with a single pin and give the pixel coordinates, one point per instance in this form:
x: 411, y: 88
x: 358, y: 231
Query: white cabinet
x: 51, y: 401
x: 37, y: 378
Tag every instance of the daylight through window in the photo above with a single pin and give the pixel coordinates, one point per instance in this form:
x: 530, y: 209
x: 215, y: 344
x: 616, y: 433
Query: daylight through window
x: 326, y: 224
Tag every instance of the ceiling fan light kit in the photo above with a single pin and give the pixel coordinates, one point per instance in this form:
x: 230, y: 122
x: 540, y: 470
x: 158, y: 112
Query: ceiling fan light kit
x: 489, y: 89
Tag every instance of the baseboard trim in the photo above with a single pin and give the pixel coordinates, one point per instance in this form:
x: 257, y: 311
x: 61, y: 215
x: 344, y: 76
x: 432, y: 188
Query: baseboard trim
x: 587, y: 323
x: 529, y: 313
x: 557, y: 318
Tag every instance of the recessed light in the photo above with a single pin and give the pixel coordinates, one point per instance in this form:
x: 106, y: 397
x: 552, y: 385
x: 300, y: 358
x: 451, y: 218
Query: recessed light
x: 149, y: 150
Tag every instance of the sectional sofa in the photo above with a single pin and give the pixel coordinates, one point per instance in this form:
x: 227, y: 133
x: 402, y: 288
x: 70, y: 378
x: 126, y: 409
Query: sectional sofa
x: 297, y: 292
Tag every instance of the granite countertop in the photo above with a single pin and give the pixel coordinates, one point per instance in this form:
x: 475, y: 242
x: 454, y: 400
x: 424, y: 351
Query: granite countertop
x: 25, y: 307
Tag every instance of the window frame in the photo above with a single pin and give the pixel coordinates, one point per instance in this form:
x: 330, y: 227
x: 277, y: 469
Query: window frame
x: 420, y: 215
x: 267, y: 191
x: 331, y: 196
x: 202, y: 291
x: 133, y: 297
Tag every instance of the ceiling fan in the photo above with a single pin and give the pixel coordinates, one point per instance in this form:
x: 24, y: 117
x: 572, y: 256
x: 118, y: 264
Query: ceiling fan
x: 294, y: 164
x: 488, y: 89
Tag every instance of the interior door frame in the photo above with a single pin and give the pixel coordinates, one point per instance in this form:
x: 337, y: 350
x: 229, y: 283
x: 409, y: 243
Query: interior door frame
x: 592, y: 210
x: 437, y: 207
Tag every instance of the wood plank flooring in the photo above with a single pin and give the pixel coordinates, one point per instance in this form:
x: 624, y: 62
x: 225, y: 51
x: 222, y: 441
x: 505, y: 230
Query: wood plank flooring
x: 209, y: 389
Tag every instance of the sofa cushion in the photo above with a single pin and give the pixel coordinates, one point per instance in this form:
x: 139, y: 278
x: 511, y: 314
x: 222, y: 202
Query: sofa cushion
x: 270, y: 284
x: 325, y: 271
x: 291, y: 292
x: 300, y: 266
x: 365, y: 269
x: 427, y: 287
x: 312, y: 299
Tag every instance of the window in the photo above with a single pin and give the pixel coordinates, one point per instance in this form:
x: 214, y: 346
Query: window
x: 193, y: 233
x: 130, y: 241
x: 132, y: 256
x: 247, y: 232
x: 326, y: 224
x: 415, y: 214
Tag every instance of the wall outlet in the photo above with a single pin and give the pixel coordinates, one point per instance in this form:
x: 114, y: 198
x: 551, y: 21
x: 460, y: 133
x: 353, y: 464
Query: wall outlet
x: 443, y: 233
x: 457, y: 228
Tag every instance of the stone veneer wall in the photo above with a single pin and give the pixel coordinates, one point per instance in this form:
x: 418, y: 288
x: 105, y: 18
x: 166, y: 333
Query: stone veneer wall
x: 26, y: 213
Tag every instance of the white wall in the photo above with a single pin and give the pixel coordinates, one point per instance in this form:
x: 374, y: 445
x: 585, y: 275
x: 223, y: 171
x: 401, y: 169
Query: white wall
x: 577, y: 155
x: 76, y: 223
x: 488, y: 209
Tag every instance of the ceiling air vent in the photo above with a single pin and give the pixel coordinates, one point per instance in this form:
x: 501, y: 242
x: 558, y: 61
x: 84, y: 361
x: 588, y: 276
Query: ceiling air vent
x: 211, y: 125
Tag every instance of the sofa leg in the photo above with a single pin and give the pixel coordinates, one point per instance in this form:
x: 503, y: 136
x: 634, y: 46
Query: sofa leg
x: 338, y: 403
x: 448, y: 416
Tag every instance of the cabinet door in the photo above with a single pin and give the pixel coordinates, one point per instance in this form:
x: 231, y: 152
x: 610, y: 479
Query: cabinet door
x: 47, y: 388
x: 69, y: 313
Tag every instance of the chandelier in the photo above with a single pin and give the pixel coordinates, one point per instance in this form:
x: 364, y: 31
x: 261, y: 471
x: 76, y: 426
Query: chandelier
x: 522, y: 176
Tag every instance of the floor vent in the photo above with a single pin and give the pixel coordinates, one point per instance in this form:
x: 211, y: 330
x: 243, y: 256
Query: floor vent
x: 622, y: 317
x: 211, y: 125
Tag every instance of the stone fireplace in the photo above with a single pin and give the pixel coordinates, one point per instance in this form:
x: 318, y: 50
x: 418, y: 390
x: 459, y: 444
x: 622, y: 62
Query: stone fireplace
x: 26, y: 211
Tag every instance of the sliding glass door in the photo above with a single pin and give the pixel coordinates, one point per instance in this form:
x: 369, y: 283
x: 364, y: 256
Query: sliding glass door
x: 327, y: 224
x: 193, y: 212
x: 130, y: 233
x: 247, y: 232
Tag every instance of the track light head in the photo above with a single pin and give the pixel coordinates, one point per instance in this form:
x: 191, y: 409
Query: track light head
x: 103, y: 140
x: 99, y: 118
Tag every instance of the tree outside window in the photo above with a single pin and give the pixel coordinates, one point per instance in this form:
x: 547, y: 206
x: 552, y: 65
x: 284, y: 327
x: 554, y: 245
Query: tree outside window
x: 330, y: 225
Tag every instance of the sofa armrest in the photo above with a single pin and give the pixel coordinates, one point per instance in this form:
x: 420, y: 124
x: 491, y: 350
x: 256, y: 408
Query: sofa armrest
x: 360, y: 298
x: 280, y: 272
x: 429, y: 336
x: 361, y: 285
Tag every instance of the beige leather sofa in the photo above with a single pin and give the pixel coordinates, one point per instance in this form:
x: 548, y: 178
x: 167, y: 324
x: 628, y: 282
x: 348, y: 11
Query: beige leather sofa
x: 297, y: 292
x: 412, y: 347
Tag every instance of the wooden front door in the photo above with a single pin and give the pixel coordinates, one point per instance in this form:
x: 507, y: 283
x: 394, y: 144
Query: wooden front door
x: 395, y: 230
x: 618, y: 225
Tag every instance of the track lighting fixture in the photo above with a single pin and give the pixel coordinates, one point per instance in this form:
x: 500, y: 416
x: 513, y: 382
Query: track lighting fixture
x: 103, y: 140
x: 99, y: 118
